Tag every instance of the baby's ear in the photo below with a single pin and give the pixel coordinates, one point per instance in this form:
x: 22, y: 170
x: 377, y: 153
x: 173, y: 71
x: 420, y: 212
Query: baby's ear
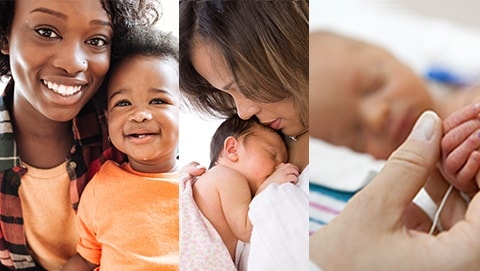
x: 230, y: 148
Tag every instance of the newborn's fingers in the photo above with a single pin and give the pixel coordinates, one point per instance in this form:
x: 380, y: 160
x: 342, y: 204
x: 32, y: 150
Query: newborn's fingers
x: 460, y: 116
x: 457, y: 158
x: 469, y: 130
x: 466, y: 175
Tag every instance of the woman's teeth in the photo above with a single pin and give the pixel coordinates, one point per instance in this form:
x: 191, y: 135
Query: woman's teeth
x: 62, y: 89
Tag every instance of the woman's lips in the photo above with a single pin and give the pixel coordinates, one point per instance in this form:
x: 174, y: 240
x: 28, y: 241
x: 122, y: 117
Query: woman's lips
x: 275, y: 124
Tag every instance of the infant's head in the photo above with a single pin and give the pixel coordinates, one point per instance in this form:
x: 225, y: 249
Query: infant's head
x: 361, y: 96
x: 248, y: 147
x: 143, y: 100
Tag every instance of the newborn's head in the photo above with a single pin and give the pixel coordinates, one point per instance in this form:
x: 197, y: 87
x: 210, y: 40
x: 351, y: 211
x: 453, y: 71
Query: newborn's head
x: 361, y: 96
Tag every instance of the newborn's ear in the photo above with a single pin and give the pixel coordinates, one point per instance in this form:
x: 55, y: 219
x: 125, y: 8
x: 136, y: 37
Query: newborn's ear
x: 230, y: 148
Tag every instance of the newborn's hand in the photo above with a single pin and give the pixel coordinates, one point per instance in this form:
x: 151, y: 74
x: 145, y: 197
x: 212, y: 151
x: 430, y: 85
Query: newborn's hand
x: 284, y: 173
x: 460, y: 148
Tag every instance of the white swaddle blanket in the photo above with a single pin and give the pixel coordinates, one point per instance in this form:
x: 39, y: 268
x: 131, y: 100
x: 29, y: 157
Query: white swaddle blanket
x: 279, y: 216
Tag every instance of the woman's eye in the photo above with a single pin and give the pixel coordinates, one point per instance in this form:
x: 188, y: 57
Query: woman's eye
x: 47, y: 33
x: 98, y: 42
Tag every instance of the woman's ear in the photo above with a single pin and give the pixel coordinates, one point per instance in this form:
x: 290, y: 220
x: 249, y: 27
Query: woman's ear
x: 230, y: 148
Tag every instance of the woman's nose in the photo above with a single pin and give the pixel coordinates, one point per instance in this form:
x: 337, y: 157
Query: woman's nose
x: 246, y: 108
x: 140, y: 115
x: 72, y: 58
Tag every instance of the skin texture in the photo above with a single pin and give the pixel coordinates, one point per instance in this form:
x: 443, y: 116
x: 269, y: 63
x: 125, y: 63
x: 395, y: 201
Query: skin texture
x: 143, y: 110
x: 75, y: 52
x: 278, y: 115
x: 247, y: 165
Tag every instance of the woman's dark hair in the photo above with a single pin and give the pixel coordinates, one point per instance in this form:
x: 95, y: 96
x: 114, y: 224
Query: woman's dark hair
x: 236, y: 127
x: 264, y: 45
x: 123, y: 13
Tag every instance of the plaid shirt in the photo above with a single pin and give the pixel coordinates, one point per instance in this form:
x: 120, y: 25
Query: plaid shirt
x: 91, y: 149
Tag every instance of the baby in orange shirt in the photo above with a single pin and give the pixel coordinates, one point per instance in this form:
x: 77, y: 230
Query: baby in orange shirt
x: 128, y: 214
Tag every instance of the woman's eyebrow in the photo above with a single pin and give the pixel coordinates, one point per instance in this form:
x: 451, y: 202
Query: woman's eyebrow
x: 64, y: 16
x: 51, y: 12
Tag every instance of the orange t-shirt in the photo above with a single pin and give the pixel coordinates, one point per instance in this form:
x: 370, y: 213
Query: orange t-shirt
x: 128, y: 220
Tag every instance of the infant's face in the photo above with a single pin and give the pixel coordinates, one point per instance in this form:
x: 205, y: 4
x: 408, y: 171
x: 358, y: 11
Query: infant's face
x: 361, y: 96
x: 260, y: 153
x: 143, y: 111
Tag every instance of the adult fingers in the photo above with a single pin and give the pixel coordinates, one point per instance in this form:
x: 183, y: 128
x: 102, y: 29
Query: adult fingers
x: 407, y: 169
x: 194, y: 169
x: 189, y: 172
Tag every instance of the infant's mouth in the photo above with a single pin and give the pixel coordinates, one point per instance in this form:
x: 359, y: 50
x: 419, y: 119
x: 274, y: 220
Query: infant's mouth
x: 141, y: 135
x: 63, y: 90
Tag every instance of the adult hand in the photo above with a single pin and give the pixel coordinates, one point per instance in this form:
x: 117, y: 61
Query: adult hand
x: 190, y: 171
x: 369, y: 234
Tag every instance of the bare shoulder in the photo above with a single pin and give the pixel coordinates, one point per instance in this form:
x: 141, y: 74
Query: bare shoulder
x: 220, y: 175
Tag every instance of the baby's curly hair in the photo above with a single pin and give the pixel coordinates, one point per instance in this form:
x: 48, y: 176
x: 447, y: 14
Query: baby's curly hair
x: 124, y: 15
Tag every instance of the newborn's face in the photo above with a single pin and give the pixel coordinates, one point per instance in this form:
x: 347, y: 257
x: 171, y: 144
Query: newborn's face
x: 361, y: 96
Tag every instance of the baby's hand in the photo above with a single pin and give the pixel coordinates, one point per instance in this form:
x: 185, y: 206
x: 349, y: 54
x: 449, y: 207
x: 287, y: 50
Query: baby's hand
x: 460, y: 148
x: 285, y: 172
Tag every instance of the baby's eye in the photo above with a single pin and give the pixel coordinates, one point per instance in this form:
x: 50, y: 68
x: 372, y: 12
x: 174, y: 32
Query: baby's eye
x: 47, y: 32
x: 158, y: 101
x: 122, y: 103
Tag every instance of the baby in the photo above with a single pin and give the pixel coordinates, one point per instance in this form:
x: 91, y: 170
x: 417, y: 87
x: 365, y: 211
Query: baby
x: 364, y: 98
x: 246, y: 157
x: 128, y: 214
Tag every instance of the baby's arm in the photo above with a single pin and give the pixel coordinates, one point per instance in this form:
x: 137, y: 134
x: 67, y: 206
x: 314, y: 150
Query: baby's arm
x: 284, y: 173
x: 78, y: 263
x: 460, y: 148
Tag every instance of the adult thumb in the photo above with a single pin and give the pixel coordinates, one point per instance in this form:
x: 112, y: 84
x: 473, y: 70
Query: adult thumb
x: 408, y: 168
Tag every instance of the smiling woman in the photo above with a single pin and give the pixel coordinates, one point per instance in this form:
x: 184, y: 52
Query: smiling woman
x: 48, y: 108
